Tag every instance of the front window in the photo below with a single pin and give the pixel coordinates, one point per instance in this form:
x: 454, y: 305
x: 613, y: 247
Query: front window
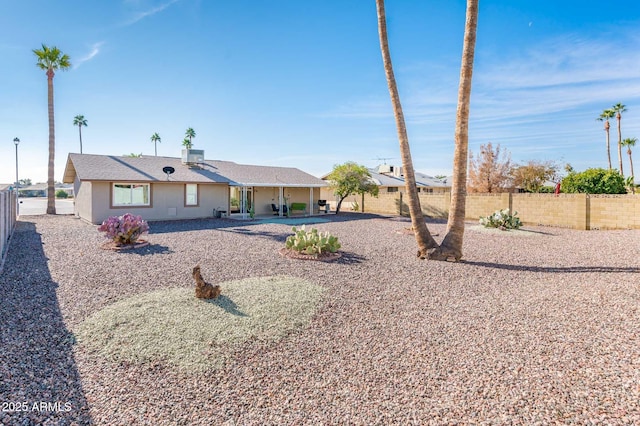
x: 131, y: 194
x: 191, y: 194
x: 392, y: 189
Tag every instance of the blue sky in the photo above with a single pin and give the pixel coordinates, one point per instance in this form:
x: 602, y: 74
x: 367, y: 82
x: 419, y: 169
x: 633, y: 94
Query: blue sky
x: 301, y: 83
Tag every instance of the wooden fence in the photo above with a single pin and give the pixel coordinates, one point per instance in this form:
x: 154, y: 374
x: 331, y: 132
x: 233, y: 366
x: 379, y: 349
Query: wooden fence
x: 8, y: 219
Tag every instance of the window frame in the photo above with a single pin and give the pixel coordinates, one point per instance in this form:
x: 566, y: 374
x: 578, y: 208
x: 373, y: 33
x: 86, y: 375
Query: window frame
x: 186, y: 198
x: 131, y: 185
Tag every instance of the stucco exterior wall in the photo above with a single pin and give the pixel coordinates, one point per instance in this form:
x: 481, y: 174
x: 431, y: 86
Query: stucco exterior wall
x: 300, y: 195
x: 82, y: 200
x: 167, y: 202
x: 263, y: 198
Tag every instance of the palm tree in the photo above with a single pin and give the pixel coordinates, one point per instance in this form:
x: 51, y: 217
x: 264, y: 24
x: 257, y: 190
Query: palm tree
x: 451, y: 247
x: 619, y: 109
x: 80, y: 121
x: 452, y: 244
x: 629, y: 142
x: 51, y: 59
x: 605, y: 116
x: 423, y: 236
x: 155, y: 138
x: 190, y: 134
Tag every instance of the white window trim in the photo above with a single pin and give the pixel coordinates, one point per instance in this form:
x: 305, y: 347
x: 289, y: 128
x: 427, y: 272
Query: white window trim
x: 186, y: 195
x: 113, y: 198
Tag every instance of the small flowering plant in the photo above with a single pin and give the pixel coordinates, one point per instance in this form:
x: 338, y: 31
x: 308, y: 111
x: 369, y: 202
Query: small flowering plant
x: 125, y: 229
x: 501, y: 219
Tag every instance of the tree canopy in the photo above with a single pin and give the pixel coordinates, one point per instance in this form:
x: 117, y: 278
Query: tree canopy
x: 594, y: 181
x: 490, y: 171
x: 532, y: 175
x: 350, y: 178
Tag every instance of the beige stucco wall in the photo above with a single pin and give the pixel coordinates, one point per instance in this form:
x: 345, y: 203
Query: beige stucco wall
x: 301, y: 195
x: 263, y: 198
x: 167, y: 202
x: 82, y: 200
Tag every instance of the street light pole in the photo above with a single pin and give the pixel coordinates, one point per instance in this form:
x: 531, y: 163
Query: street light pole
x: 16, y: 141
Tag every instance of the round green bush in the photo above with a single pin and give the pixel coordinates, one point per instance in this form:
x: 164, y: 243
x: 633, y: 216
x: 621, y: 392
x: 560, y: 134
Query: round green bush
x: 594, y: 181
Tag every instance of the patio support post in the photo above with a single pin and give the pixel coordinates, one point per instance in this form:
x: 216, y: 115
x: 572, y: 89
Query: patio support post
x: 243, y: 207
x: 281, y: 200
x: 311, y: 201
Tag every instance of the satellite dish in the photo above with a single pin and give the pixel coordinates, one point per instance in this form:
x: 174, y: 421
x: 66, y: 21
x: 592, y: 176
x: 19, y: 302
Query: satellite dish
x: 168, y: 170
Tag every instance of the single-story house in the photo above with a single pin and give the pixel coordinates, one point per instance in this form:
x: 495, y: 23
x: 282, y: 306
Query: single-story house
x: 390, y: 179
x: 165, y: 188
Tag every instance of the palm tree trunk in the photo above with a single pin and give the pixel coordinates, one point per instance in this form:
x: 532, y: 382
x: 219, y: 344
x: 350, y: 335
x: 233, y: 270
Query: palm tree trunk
x: 423, y: 237
x: 51, y: 195
x: 155, y: 148
x: 80, y: 131
x: 452, y: 243
x: 619, y: 118
x: 606, y: 129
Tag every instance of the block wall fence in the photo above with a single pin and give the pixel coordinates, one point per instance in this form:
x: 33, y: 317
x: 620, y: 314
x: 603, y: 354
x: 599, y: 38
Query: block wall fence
x: 577, y: 211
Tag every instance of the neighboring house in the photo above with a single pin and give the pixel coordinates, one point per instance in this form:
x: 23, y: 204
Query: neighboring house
x: 40, y: 190
x: 164, y: 188
x: 390, y: 179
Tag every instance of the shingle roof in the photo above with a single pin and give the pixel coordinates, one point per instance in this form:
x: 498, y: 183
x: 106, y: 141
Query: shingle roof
x: 89, y: 167
x: 421, y: 180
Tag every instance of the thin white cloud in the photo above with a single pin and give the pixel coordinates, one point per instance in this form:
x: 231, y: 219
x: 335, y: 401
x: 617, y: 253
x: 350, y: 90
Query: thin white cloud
x: 95, y: 49
x: 149, y: 12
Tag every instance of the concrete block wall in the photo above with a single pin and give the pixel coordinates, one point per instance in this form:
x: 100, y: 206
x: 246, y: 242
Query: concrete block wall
x: 577, y: 211
x: 484, y: 204
x: 435, y: 204
x: 614, y: 211
x: 564, y: 210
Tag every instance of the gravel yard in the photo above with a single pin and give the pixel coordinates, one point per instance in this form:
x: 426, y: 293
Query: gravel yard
x: 532, y: 328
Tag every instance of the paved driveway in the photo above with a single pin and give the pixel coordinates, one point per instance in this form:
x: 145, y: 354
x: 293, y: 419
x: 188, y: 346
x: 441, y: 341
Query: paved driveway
x: 35, y: 206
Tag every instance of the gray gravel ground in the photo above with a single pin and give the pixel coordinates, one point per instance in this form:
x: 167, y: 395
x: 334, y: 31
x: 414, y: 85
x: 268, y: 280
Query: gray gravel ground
x: 528, y: 330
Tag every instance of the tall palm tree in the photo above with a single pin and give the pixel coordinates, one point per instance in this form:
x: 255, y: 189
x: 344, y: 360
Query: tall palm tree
x: 629, y: 142
x: 619, y: 109
x: 451, y: 247
x: 605, y: 116
x: 423, y: 236
x: 190, y: 134
x: 155, y: 138
x: 452, y: 244
x: 80, y: 121
x: 51, y: 59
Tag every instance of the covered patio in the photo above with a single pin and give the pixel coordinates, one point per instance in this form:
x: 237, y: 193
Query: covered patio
x: 252, y: 200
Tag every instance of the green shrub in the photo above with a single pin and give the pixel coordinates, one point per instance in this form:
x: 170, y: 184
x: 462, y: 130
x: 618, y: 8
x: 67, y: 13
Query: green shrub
x: 312, y: 242
x: 501, y: 219
x: 594, y: 181
x: 61, y: 193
